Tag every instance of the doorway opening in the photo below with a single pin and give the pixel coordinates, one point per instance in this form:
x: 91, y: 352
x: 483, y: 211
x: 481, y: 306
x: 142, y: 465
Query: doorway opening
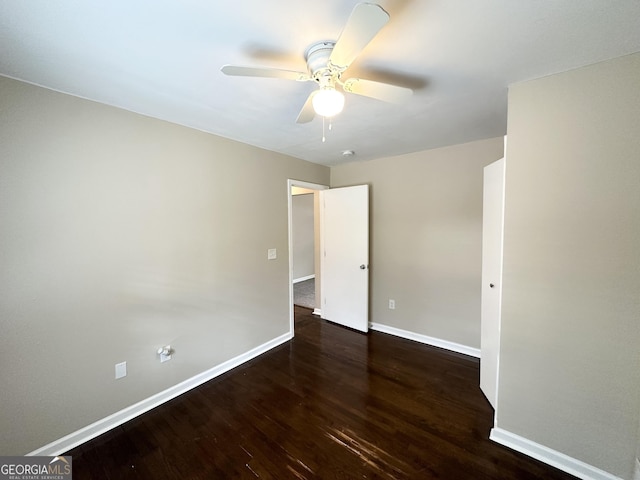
x: 304, y: 246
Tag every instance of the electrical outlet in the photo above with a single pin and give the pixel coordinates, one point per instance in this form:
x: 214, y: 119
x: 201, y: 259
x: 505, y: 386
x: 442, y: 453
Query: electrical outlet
x: 121, y: 370
x: 392, y: 304
x: 272, y: 254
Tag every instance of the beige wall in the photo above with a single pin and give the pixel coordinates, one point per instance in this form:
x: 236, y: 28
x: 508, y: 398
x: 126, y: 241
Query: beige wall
x: 426, y: 234
x: 570, y: 345
x: 119, y: 234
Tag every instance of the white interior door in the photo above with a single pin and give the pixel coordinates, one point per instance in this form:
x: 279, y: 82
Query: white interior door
x: 344, y: 243
x: 492, y: 239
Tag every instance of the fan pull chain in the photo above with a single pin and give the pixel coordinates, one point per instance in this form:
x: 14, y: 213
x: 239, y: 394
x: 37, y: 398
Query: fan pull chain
x: 324, y: 139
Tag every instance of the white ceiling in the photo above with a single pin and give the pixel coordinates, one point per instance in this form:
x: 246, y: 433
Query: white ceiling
x: 162, y: 58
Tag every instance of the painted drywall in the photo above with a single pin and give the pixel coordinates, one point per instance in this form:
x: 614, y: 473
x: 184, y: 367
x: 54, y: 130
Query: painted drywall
x: 569, y: 359
x: 426, y: 238
x: 301, y: 190
x: 119, y: 234
x: 302, y: 233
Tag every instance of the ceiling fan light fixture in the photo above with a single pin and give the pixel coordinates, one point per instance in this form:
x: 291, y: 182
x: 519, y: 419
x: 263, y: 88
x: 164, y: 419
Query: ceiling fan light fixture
x: 328, y: 102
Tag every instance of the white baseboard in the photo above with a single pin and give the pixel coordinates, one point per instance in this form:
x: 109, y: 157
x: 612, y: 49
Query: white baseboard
x: 436, y: 342
x: 317, y: 311
x: 78, y: 437
x: 302, y: 279
x: 550, y: 457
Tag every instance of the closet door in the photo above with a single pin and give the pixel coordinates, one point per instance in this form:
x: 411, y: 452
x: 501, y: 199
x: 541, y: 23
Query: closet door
x: 492, y: 238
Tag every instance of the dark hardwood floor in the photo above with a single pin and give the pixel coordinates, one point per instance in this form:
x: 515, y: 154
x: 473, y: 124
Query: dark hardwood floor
x: 332, y: 403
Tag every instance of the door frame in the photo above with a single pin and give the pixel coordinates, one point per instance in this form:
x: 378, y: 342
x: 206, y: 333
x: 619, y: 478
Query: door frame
x: 310, y: 186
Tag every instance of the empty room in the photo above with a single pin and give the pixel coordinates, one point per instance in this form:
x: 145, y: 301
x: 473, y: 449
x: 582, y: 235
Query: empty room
x: 468, y: 177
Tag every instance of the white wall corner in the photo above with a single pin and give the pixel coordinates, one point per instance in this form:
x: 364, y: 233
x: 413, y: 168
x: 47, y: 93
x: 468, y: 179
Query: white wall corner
x: 66, y: 443
x: 636, y: 470
x: 549, y: 456
x: 417, y: 337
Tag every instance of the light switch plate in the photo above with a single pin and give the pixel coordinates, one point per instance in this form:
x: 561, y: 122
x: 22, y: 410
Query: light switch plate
x: 121, y: 370
x: 272, y: 254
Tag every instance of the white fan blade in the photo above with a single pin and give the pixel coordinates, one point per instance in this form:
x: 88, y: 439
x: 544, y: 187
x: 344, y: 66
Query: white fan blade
x: 240, y: 71
x: 365, y: 22
x: 307, y: 113
x: 381, y: 91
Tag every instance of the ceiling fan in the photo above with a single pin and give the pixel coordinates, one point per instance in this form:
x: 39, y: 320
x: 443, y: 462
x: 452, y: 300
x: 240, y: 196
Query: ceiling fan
x: 327, y: 61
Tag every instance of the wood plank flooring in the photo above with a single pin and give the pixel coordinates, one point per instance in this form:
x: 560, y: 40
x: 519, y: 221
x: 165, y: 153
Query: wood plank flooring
x: 332, y: 403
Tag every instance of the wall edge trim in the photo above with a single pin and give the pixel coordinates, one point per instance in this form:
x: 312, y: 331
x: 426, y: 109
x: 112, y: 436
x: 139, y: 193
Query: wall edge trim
x: 434, y: 342
x: 549, y: 456
x: 84, y: 434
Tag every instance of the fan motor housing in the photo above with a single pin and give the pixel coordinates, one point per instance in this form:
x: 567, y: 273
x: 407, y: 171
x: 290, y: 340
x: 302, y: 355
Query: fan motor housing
x: 317, y: 57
